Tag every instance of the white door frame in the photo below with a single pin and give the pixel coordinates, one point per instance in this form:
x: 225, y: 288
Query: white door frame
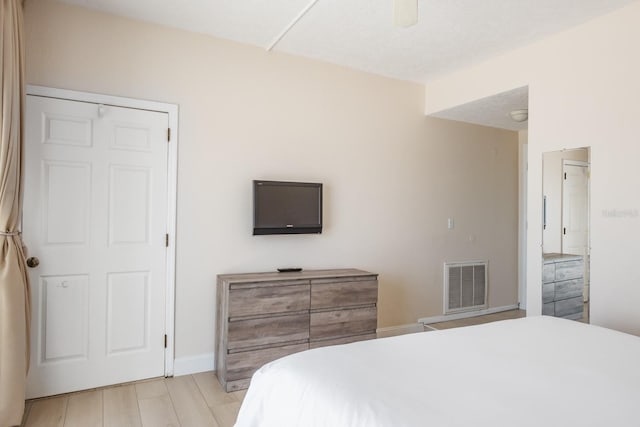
x: 522, y: 226
x: 172, y: 175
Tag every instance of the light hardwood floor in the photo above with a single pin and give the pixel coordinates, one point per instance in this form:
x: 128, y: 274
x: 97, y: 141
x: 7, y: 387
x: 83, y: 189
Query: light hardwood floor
x: 192, y: 400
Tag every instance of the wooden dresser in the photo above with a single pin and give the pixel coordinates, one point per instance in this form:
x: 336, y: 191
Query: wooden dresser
x: 562, y: 286
x: 264, y: 316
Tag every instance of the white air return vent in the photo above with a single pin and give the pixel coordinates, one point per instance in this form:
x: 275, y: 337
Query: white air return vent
x: 465, y: 286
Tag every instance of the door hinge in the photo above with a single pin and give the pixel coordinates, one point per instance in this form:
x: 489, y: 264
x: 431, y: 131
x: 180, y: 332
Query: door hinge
x: 564, y: 230
x: 168, y: 134
x: 565, y: 175
x: 166, y: 240
x: 165, y: 340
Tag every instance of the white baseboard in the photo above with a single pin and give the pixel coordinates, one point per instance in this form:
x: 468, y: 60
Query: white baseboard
x: 391, y: 331
x: 467, y: 314
x: 193, y: 364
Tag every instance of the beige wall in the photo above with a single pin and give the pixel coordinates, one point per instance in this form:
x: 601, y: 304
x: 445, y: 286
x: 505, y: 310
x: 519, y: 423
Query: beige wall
x: 392, y: 177
x: 552, y: 189
x: 583, y: 92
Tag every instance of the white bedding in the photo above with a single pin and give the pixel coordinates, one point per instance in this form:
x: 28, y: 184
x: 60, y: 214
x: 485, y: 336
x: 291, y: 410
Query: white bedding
x: 536, y: 371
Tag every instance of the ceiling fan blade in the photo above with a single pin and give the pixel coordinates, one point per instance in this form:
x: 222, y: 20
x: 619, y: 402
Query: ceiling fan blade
x: 405, y: 13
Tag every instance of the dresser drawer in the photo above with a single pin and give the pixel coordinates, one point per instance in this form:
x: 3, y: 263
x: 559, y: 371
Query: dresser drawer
x: 569, y: 270
x: 244, y: 364
x: 329, y: 294
x: 548, y: 292
x: 267, y: 331
x: 342, y: 323
x: 548, y: 272
x: 569, y: 306
x: 549, y: 309
x: 258, y: 300
x: 568, y: 289
x: 344, y: 340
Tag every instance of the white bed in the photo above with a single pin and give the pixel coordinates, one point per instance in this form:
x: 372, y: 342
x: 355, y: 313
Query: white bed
x: 536, y: 371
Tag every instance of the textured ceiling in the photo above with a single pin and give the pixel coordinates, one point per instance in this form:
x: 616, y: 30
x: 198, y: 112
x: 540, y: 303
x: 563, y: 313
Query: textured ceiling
x: 450, y: 34
x: 491, y: 111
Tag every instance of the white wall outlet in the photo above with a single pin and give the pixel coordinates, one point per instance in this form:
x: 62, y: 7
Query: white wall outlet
x: 450, y: 224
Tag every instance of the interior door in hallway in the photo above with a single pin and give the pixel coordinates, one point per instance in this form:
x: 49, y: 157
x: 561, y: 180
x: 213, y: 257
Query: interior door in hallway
x: 95, y: 215
x: 575, y: 214
x: 575, y: 210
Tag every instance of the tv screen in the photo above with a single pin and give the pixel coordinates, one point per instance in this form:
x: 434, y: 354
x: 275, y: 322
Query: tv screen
x: 287, y: 207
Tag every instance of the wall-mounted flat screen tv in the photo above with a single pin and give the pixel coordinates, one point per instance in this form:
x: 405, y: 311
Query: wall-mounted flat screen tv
x: 287, y: 207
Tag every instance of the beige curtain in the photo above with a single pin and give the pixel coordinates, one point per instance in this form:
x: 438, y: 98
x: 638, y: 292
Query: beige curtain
x: 14, y: 285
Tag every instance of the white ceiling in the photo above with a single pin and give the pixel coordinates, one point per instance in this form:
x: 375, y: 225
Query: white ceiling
x: 450, y: 34
x: 491, y: 111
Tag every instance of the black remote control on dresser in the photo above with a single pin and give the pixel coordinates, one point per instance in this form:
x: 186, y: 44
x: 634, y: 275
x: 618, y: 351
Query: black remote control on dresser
x: 289, y: 270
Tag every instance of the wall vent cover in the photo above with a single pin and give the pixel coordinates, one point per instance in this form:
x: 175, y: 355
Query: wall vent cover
x: 465, y: 286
